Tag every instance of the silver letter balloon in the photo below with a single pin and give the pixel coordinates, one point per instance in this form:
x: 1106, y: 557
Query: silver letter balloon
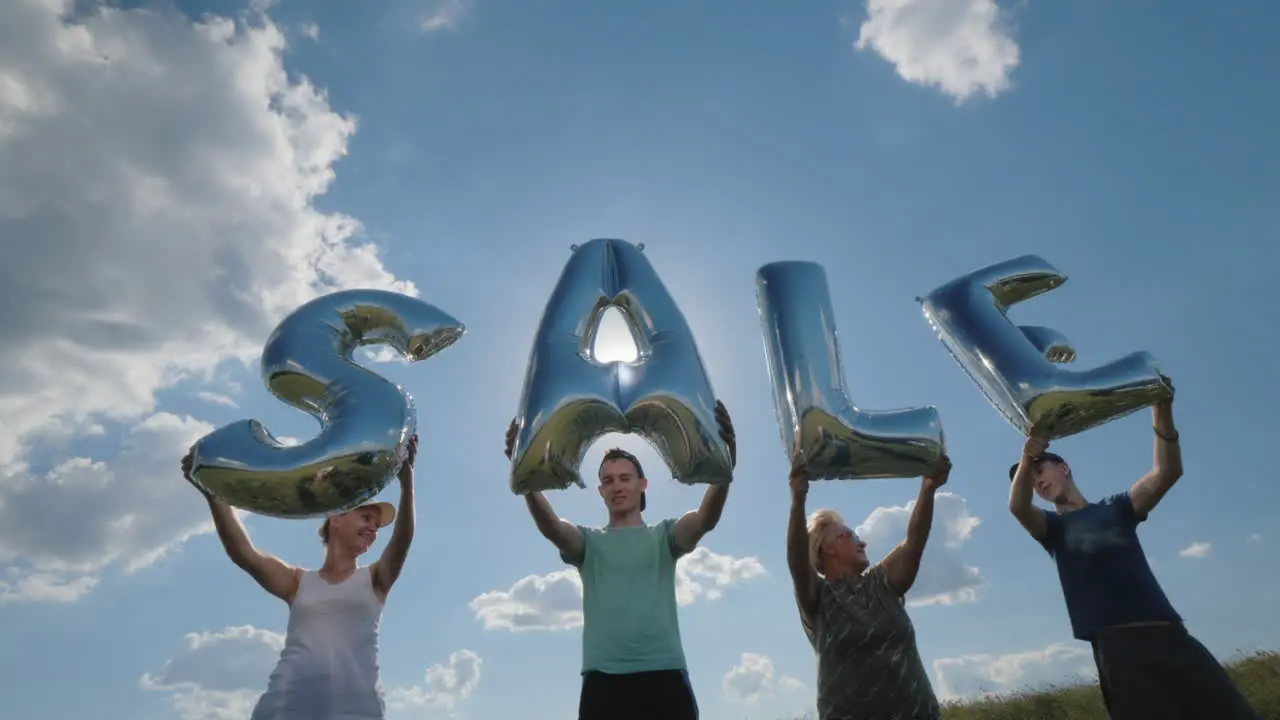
x: 570, y: 400
x: 366, y: 421
x: 1018, y: 368
x: 819, y: 424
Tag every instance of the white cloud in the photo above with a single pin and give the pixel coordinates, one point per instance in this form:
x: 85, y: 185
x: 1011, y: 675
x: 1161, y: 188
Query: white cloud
x: 961, y: 47
x: 717, y: 571
x: 60, y: 528
x: 43, y: 587
x: 1255, y: 538
x: 216, y: 399
x: 536, y: 602
x: 752, y: 680
x: 219, y: 676
x: 1195, y: 550
x: 944, y: 578
x: 309, y: 30
x: 554, y: 601
x: 159, y: 174
x: 978, y: 675
x: 444, y: 685
x: 442, y: 15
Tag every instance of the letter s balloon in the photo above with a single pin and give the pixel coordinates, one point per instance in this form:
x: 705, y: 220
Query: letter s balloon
x: 365, y: 420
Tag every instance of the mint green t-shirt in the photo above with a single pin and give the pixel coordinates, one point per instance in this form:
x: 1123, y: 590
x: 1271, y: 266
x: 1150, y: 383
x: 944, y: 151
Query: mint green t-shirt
x: 629, y: 619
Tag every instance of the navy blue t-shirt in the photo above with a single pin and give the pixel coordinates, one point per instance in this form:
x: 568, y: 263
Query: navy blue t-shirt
x: 1105, y: 577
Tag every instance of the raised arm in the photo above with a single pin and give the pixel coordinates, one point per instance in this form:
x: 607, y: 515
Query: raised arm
x: 803, y: 576
x: 694, y: 524
x: 562, y: 533
x: 1031, y: 518
x: 274, y: 575
x: 387, y: 569
x: 902, y: 564
x: 1166, y: 467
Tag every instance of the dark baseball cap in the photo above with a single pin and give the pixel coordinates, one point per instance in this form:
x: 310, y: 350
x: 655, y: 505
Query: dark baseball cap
x: 1051, y: 457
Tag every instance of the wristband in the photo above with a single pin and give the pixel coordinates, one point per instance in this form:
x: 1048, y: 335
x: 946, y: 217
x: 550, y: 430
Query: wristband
x: 1164, y: 437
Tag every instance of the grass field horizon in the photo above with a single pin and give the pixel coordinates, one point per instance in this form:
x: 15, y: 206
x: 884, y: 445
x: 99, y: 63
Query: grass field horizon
x: 1257, y: 675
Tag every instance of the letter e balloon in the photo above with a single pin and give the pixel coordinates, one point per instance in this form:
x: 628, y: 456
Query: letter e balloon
x: 1019, y: 368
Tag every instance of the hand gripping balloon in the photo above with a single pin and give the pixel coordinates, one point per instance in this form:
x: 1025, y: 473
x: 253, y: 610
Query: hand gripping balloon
x: 1017, y: 367
x: 570, y: 399
x: 365, y: 421
x: 819, y: 424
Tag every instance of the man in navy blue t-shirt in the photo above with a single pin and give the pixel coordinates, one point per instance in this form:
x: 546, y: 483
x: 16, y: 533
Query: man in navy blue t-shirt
x: 1149, y: 667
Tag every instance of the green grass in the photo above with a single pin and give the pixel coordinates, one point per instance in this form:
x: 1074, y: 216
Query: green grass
x: 1257, y: 676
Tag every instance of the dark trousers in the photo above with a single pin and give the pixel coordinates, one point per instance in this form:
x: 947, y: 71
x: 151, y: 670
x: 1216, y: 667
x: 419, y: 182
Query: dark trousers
x: 658, y: 695
x: 1161, y: 672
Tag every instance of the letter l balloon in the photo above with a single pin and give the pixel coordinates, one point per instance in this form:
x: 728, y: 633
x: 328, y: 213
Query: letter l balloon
x: 818, y: 422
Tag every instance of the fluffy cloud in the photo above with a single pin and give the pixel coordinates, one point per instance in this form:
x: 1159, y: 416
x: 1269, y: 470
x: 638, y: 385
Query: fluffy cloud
x: 58, y: 529
x: 159, y: 176
x: 944, y: 578
x: 554, y: 601
x: 442, y: 15
x: 961, y: 47
x: 219, y: 676
x: 444, y: 686
x: 976, y: 675
x: 703, y: 573
x: 752, y: 680
x: 1195, y: 550
x: 536, y: 602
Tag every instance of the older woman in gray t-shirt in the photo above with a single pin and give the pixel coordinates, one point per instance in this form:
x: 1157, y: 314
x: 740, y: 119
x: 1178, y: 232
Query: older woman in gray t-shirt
x: 854, y: 614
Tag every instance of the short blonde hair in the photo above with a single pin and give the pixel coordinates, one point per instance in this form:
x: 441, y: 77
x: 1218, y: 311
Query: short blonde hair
x: 820, y: 524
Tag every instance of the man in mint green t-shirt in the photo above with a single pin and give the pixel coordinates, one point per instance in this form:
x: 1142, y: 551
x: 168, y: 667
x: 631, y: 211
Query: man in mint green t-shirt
x: 633, y: 663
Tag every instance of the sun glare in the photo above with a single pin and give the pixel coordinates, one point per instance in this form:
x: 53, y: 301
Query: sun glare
x: 613, y: 341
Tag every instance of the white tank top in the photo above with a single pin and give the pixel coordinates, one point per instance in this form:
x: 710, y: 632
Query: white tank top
x: 329, y: 666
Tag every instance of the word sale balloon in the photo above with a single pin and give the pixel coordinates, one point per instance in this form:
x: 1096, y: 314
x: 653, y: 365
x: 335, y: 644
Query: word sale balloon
x: 819, y: 424
x: 1018, y: 368
x: 365, y: 421
x: 570, y: 399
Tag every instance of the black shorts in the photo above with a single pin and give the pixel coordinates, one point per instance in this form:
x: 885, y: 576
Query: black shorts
x: 1161, y: 672
x: 658, y: 695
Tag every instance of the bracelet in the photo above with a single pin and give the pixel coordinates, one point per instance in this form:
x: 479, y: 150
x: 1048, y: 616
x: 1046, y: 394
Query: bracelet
x: 1164, y: 437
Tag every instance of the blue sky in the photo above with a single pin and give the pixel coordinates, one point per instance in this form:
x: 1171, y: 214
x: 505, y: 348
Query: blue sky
x: 170, y: 190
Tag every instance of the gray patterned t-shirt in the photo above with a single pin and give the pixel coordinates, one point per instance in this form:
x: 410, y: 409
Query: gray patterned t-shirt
x: 868, y: 664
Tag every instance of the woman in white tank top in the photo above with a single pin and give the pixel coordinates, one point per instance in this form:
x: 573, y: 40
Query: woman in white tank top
x: 328, y: 669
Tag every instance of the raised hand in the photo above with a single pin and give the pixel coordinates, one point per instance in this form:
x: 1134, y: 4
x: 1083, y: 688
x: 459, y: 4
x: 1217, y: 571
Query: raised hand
x: 1035, y: 447
x: 406, y: 467
x: 187, y: 461
x: 940, y: 474
x: 726, y: 432
x: 511, y: 439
